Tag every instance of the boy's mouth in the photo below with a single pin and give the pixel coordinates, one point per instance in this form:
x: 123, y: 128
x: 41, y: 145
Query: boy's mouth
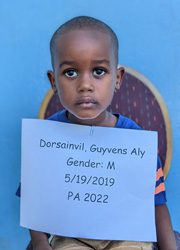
x: 86, y: 102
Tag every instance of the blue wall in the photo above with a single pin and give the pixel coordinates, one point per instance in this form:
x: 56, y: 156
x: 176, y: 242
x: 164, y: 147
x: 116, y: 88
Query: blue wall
x: 149, y: 33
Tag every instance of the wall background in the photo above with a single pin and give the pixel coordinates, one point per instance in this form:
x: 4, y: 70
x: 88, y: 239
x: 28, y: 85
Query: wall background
x: 149, y: 34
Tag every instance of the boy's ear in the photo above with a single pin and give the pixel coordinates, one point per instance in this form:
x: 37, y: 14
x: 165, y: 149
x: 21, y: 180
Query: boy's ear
x: 119, y: 76
x: 50, y: 75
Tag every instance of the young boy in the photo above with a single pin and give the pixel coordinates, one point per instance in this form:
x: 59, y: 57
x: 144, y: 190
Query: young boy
x: 85, y: 75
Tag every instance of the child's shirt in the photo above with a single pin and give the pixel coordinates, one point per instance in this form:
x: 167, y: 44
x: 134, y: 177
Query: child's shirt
x: 124, y: 122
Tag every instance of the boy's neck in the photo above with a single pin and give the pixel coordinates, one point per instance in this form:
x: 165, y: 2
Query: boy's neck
x: 106, y: 119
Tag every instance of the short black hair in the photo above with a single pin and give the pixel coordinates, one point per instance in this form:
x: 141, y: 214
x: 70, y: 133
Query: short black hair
x: 81, y: 23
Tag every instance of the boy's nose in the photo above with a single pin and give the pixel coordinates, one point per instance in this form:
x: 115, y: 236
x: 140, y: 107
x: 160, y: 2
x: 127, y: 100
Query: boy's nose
x: 85, y: 83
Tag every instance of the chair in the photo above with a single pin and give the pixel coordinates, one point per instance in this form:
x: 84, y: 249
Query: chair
x: 137, y: 99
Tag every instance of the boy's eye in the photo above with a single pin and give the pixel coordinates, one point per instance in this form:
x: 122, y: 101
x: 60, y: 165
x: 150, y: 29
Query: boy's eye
x: 99, y: 72
x: 71, y: 73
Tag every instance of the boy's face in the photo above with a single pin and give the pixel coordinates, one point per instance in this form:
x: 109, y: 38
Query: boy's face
x: 85, y: 74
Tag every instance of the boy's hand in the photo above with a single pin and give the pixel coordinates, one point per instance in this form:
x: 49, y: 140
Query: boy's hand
x: 39, y: 240
x: 42, y: 247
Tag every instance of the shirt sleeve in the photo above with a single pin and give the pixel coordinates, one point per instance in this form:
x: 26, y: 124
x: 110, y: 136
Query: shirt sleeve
x: 160, y: 191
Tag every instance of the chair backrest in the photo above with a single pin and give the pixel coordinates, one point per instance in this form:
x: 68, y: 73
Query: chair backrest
x: 139, y: 100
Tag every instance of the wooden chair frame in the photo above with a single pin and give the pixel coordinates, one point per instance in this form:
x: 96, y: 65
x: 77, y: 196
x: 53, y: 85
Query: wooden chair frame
x: 160, y: 101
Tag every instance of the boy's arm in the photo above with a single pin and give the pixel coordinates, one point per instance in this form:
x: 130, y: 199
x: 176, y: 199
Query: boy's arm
x: 39, y: 240
x: 165, y: 235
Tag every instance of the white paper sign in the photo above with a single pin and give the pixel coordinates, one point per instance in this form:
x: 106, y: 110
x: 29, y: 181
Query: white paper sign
x: 88, y: 182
